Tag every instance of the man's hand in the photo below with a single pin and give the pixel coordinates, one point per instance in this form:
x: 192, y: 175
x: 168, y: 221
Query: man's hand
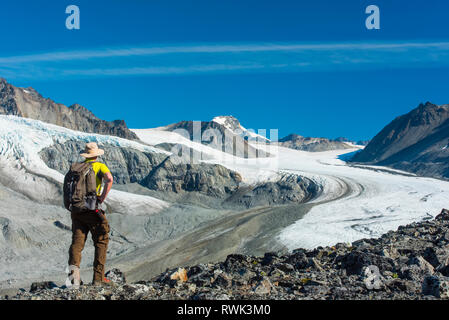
x: 108, y: 180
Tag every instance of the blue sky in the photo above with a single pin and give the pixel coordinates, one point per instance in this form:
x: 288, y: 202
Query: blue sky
x: 308, y: 67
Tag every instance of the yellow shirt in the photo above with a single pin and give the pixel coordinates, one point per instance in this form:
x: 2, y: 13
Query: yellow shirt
x: 100, y: 170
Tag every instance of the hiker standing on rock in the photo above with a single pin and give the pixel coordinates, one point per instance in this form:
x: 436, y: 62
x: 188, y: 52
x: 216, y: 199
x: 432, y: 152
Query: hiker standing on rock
x: 83, y: 193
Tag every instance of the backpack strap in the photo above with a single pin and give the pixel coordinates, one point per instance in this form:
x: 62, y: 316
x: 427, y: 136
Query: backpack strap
x: 91, y: 163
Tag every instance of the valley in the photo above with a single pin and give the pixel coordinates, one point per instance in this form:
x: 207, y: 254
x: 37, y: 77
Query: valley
x: 250, y: 197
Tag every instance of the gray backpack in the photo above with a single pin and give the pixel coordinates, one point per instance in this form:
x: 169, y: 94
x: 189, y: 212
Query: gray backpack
x: 80, y: 188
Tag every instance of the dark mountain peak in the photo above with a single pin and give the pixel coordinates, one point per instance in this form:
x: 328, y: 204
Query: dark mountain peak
x: 428, y: 108
x: 428, y: 104
x: 120, y: 122
x: 342, y: 139
x: 427, y: 114
x: 78, y: 107
x: 291, y: 137
x: 28, y: 103
x: 413, y: 142
x: 82, y: 110
x: 4, y: 84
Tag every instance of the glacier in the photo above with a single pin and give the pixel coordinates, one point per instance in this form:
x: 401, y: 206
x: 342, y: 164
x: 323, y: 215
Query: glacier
x: 356, y: 201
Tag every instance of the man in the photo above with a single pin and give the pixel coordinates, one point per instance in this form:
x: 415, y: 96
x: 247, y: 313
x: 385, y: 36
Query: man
x: 93, y: 221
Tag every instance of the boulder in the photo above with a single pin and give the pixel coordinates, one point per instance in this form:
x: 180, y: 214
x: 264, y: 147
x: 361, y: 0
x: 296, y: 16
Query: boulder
x: 436, y: 286
x: 36, y: 286
x: 116, y: 276
x: 179, y: 275
x: 356, y: 261
x: 264, y: 287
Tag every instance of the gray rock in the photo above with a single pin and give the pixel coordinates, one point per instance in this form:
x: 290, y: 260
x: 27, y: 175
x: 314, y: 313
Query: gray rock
x: 356, y: 261
x: 269, y: 258
x: 222, y: 280
x: 36, y: 286
x: 285, y: 267
x: 299, y: 260
x: 116, y: 276
x: 264, y: 287
x: 436, y: 286
x: 210, y: 179
x: 422, y: 264
x: 403, y: 285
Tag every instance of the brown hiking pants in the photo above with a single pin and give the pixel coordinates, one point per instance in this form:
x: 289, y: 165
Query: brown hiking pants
x: 82, y: 223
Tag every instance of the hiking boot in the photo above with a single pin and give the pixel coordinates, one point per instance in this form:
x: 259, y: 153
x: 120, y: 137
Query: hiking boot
x: 103, y: 283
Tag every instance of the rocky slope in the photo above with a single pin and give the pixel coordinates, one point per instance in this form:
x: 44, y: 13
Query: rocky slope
x: 28, y: 103
x: 210, y: 179
x: 416, y: 142
x: 156, y: 171
x: 298, y: 142
x: 160, y: 172
x: 410, y: 263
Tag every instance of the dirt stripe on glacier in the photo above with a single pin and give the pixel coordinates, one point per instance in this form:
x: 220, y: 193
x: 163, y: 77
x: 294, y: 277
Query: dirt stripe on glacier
x: 251, y: 232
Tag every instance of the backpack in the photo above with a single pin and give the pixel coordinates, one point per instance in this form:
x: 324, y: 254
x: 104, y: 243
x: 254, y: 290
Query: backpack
x: 80, y: 188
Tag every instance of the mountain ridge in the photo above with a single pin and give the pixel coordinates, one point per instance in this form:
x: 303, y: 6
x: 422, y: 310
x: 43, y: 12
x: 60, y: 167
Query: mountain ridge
x: 298, y: 142
x: 29, y: 103
x: 416, y: 142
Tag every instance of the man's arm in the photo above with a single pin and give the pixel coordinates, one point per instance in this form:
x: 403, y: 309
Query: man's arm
x: 108, y: 180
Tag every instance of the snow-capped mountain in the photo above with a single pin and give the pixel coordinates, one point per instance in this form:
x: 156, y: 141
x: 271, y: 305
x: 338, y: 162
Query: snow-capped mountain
x: 232, y: 124
x: 222, y: 136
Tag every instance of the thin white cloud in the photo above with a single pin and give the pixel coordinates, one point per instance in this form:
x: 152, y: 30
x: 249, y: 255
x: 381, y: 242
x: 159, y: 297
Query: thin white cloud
x: 202, y: 59
x: 159, y: 70
x: 161, y: 50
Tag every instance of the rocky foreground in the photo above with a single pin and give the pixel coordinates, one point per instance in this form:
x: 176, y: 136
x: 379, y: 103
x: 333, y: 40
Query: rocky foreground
x: 410, y: 263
